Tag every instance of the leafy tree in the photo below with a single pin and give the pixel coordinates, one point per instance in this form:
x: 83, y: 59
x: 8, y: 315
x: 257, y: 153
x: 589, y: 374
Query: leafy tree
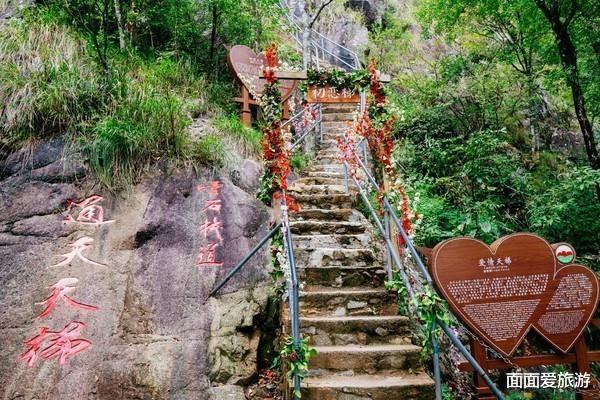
x: 524, y: 29
x: 560, y: 16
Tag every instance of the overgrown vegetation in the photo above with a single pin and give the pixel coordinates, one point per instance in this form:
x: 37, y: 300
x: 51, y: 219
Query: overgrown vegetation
x: 488, y: 140
x: 123, y: 80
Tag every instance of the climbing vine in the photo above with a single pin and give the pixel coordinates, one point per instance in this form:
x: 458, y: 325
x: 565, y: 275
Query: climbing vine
x: 297, y: 356
x: 431, y: 308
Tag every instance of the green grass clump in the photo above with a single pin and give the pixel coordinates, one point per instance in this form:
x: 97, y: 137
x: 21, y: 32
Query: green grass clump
x: 210, y: 150
x: 247, y: 140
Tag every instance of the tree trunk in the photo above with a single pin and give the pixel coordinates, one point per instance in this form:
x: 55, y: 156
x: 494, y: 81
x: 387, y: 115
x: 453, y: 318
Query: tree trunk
x: 120, y: 25
x: 568, y: 58
x: 306, y: 59
x: 213, y: 36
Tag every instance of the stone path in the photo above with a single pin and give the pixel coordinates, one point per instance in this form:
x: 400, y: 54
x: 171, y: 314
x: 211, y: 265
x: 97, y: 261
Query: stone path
x: 364, y: 347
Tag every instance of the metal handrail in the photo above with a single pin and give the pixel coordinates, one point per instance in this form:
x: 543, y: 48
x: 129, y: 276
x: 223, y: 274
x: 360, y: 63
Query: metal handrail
x: 319, y: 46
x: 394, y: 256
x: 271, y: 233
x: 246, y: 258
x: 292, y: 283
x: 309, y: 130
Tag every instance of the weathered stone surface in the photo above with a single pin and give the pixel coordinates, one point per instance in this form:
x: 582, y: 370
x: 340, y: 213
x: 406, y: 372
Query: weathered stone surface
x: 156, y: 333
x: 227, y: 392
x: 247, y: 175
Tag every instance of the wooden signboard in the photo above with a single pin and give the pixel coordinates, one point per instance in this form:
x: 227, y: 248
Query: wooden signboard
x: 518, y: 283
x: 248, y: 67
x: 329, y: 94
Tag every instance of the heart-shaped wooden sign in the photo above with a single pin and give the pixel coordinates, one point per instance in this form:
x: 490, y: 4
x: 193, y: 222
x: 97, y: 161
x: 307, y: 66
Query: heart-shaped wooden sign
x: 501, y: 291
x: 573, y: 301
x: 248, y: 67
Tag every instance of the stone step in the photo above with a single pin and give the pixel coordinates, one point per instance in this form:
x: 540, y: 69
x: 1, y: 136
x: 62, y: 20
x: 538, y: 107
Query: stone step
x: 324, y: 257
x: 348, y: 302
x: 343, y: 276
x: 334, y: 167
x: 322, y: 227
x: 316, y: 189
x: 338, y: 116
x: 343, y: 214
x: 368, y: 359
x: 324, y: 201
x: 389, y: 386
x: 351, y: 241
x: 329, y: 126
x: 325, y: 174
x: 356, y: 330
x: 333, y: 108
x: 319, y: 180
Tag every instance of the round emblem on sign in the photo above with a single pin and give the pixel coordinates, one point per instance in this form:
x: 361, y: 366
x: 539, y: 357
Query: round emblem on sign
x: 565, y: 254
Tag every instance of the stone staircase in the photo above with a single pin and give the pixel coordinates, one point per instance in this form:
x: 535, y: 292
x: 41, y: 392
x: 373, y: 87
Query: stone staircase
x: 364, y: 347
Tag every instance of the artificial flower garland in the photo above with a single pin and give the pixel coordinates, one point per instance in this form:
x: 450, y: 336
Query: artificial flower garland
x: 275, y: 149
x: 376, y: 125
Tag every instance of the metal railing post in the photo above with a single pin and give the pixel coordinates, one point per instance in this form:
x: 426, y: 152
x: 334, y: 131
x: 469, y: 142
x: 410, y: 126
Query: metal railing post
x: 386, y: 224
x: 437, y: 376
x: 293, y: 285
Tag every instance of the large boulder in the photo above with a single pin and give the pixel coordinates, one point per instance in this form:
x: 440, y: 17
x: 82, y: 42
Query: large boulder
x: 156, y: 332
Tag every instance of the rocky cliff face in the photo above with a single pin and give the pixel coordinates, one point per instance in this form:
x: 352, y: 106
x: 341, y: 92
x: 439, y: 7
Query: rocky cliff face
x: 129, y: 315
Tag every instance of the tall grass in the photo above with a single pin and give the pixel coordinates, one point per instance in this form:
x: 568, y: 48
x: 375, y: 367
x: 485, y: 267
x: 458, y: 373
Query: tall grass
x: 47, y: 83
x: 125, y: 121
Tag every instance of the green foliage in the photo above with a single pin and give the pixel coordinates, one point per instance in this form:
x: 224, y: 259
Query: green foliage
x: 388, y: 42
x: 297, y: 356
x: 299, y: 162
x: 276, y: 272
x: 568, y: 210
x: 397, y: 285
x: 145, y: 124
x: 266, y: 188
x: 47, y: 82
x: 210, y: 150
x: 431, y: 309
x: 247, y: 139
x: 356, y: 80
x: 62, y: 70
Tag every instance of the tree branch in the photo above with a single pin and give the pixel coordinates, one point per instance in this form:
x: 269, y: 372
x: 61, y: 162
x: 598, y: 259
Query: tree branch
x: 314, y: 19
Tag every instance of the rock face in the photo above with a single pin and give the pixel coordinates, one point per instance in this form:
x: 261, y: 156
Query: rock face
x: 155, y: 334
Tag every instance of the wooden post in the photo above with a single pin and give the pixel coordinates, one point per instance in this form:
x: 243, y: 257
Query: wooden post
x: 483, y: 391
x: 582, y: 365
x: 246, y: 113
x: 286, y: 111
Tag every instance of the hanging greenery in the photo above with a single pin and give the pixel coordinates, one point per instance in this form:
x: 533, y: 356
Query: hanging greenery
x: 355, y: 80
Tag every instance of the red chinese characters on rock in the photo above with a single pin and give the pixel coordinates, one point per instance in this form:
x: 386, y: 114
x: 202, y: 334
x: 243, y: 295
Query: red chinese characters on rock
x: 67, y: 342
x: 89, y: 211
x: 212, y: 226
x: 62, y: 345
x: 59, y: 291
x: 79, y: 246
